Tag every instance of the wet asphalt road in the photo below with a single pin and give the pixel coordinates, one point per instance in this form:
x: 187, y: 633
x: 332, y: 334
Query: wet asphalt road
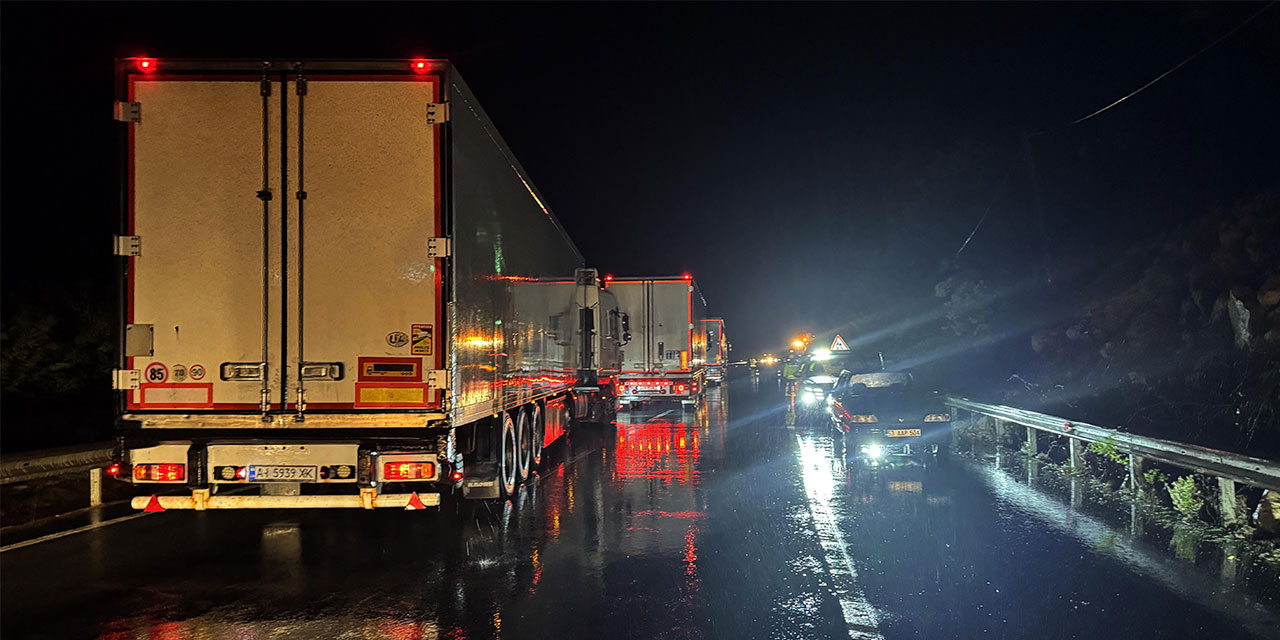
x: 717, y: 523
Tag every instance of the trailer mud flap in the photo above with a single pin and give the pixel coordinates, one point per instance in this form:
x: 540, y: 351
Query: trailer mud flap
x: 480, y: 480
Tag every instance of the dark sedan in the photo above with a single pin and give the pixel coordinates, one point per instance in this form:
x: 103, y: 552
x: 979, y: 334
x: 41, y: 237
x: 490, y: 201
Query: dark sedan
x: 882, y: 423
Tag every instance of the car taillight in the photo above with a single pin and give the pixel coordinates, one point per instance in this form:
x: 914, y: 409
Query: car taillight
x: 938, y: 417
x: 408, y: 470
x: 164, y: 472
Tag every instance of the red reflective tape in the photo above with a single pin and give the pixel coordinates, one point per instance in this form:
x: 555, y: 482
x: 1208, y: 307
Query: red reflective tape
x: 154, y: 505
x: 415, y: 503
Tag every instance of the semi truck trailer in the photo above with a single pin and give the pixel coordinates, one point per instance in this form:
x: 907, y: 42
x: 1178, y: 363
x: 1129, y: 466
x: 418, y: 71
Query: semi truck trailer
x: 339, y: 288
x: 717, y: 349
x: 666, y: 358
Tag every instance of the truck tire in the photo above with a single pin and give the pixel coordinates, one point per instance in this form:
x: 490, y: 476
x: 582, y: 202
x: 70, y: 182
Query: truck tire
x: 524, y: 438
x: 508, y: 452
x: 539, y: 434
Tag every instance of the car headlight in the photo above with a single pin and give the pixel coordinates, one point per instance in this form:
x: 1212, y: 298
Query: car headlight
x: 938, y: 417
x: 808, y: 397
x: 875, y: 451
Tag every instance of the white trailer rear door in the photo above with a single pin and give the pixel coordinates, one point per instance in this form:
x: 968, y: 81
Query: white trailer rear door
x: 325, y: 290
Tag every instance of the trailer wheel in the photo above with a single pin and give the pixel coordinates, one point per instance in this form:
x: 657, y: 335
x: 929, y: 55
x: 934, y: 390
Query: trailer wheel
x: 524, y: 453
x: 539, y: 434
x: 507, y: 455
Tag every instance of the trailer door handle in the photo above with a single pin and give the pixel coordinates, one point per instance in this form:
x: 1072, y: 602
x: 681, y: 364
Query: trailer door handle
x: 320, y: 370
x: 243, y: 370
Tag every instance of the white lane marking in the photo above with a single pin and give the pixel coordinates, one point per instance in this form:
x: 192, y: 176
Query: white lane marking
x: 819, y: 473
x: 660, y: 415
x: 63, y: 534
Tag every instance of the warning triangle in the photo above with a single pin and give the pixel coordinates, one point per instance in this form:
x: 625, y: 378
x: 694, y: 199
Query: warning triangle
x: 154, y: 505
x: 415, y: 502
x: 839, y: 344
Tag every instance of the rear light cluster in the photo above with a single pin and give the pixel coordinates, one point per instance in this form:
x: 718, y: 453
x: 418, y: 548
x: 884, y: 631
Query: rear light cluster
x: 401, y: 471
x: 656, y: 385
x: 164, y: 472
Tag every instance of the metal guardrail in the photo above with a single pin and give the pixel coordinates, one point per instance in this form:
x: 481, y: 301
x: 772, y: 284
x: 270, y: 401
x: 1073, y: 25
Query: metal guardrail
x: 1223, y: 464
x: 35, y: 465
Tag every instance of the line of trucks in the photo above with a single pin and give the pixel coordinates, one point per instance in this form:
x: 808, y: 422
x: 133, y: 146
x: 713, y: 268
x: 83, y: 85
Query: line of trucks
x: 339, y: 288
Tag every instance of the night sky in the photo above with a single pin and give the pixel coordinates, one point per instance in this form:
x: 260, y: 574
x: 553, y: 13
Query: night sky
x: 811, y: 165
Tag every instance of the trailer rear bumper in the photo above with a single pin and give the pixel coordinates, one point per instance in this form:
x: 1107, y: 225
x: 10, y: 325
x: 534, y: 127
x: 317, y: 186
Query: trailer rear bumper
x: 200, y: 500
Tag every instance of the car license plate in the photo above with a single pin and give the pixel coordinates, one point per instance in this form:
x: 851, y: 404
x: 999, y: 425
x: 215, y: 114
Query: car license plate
x: 902, y: 433
x: 281, y: 473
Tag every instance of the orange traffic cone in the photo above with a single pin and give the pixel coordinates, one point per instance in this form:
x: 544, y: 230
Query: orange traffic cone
x: 154, y: 505
x: 414, y: 503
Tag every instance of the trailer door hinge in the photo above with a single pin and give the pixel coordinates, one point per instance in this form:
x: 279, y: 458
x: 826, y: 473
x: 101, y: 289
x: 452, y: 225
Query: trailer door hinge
x: 438, y: 247
x: 126, y: 379
x: 437, y: 112
x: 128, y: 245
x: 438, y: 379
x: 128, y: 111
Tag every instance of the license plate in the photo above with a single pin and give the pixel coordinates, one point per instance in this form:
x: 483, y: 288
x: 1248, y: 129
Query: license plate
x: 902, y: 433
x: 650, y: 389
x: 280, y: 473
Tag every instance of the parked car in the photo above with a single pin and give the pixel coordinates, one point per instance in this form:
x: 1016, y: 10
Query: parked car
x: 884, y: 416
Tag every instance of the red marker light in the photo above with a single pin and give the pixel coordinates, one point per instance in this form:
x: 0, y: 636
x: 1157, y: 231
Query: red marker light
x: 688, y: 277
x: 146, y: 65
x: 456, y: 476
x: 607, y: 278
x: 114, y: 469
x: 418, y: 65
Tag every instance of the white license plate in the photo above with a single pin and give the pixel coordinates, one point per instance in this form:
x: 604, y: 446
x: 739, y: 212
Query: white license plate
x: 281, y: 473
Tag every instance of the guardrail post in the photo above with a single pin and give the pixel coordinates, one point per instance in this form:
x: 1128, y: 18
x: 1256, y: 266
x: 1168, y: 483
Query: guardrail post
x: 999, y: 432
x: 95, y: 487
x: 1136, y: 482
x: 1227, y: 501
x: 1032, y: 445
x: 1077, y: 453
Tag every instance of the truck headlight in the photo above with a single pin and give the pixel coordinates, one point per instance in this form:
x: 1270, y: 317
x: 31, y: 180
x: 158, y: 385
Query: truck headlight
x: 875, y: 451
x: 808, y: 397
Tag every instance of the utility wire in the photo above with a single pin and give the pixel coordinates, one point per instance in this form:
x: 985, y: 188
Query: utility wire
x: 986, y: 213
x: 1180, y: 64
